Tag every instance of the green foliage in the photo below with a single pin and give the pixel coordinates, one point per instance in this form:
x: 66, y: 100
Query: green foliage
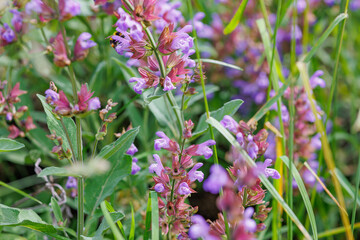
x: 99, y: 187
x: 9, y: 145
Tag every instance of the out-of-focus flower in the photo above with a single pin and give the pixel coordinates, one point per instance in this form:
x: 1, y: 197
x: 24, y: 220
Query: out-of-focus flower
x: 60, y: 55
x: 17, y: 20
x: 268, y: 172
x: 7, y: 35
x: 44, y: 12
x: 83, y: 43
x: 315, y: 79
x: 134, y: 167
x: 217, y: 179
x: 68, y: 9
x: 143, y: 10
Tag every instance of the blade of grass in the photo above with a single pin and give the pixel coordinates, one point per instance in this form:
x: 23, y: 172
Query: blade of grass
x: 301, y: 186
x: 111, y: 210
x: 132, y: 228
x: 357, y: 180
x: 109, y: 220
x: 274, y: 77
x: 20, y: 192
x: 347, y: 186
x: 148, y: 219
x: 263, y: 179
x: 335, y: 231
x: 221, y: 63
x: 234, y: 22
x: 266, y: 107
x: 323, y: 185
x: 154, y: 216
x: 325, y: 147
x: 306, y: 58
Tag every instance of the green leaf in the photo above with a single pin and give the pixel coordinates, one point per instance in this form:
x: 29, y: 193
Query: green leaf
x: 111, y: 210
x: 57, y: 211
x: 221, y: 63
x: 99, y: 187
x: 20, y: 192
x: 234, y: 22
x: 154, y: 216
x: 303, y: 193
x: 26, y: 218
x: 229, y: 108
x: 347, y: 186
x: 57, y: 171
x: 55, y: 125
x: 110, y: 222
x: 209, y: 89
x: 8, y: 145
x: 132, y: 227
x: 266, y: 107
x: 324, y: 36
x: 263, y: 179
x: 98, y: 69
x: 104, y: 226
x: 109, y: 150
x: 148, y: 219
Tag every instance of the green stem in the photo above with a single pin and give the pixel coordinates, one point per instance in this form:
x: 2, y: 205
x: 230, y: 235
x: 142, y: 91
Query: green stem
x: 357, y: 180
x: 80, y: 216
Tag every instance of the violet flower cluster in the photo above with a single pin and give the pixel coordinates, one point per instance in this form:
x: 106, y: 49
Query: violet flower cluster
x: 61, y: 105
x: 306, y: 139
x: 174, y: 46
x: 175, y: 183
x: 242, y: 190
x: 13, y: 113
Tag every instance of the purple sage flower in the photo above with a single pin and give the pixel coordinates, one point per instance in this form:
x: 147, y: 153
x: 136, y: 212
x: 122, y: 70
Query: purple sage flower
x: 315, y: 79
x: 132, y: 150
x: 229, y: 123
x: 17, y: 20
x: 268, y: 172
x: 249, y: 223
x: 163, y: 142
x: 156, y: 167
x: 140, y: 84
x: 217, y: 179
x: 134, y: 167
x: 184, y: 189
x: 7, y: 33
x: 94, y: 104
x: 159, y: 187
x: 168, y: 85
x: 196, y: 175
x: 71, y: 182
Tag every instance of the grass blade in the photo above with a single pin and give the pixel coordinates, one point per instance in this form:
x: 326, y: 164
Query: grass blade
x: 221, y: 63
x: 357, y: 179
x: 265, y: 108
x: 154, y: 216
x: 234, y: 22
x: 346, y: 186
x: 304, y: 194
x: 114, y: 229
x: 325, y: 147
x: 323, y: 185
x: 20, y: 192
x: 111, y: 210
x: 148, y: 219
x: 263, y: 179
x: 132, y: 228
x: 335, y: 231
x: 324, y: 36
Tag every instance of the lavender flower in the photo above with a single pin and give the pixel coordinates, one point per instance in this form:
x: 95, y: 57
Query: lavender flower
x: 217, y: 179
x: 71, y: 183
x: 184, y: 189
x: 196, y: 175
x: 134, y: 167
x: 268, y: 172
x: 156, y: 167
